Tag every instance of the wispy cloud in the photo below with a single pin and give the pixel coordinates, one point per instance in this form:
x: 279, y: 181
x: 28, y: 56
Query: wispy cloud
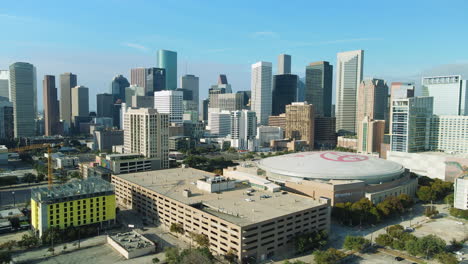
x: 4, y: 16
x: 135, y: 46
x: 336, y: 41
x: 218, y: 50
x: 265, y: 34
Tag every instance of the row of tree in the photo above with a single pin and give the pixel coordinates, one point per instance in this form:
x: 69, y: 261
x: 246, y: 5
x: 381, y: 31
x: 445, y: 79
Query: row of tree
x: 432, y: 190
x: 429, y: 246
x: 365, y: 212
x: 203, y: 163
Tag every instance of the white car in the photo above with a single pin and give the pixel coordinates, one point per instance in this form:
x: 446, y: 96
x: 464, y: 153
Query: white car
x: 459, y: 223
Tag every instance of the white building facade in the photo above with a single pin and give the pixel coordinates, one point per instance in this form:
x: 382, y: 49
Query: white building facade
x: 219, y: 122
x: 349, y: 75
x: 147, y: 133
x: 170, y: 102
x: 261, y: 82
x: 461, y: 193
x: 449, y: 134
x: 243, y: 130
x: 267, y: 133
x: 450, y: 94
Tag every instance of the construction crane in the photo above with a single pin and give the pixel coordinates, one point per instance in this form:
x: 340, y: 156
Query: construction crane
x: 50, y: 170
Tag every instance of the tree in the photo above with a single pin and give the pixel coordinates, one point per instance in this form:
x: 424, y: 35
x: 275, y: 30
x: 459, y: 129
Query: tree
x: 8, y: 245
x: 28, y: 241
x: 5, y: 257
x: 155, y: 260
x: 395, y: 231
x: 196, y: 256
x: 430, y: 245
x: 426, y: 194
x: 75, y: 175
x: 29, y: 178
x: 41, y: 177
x: 230, y: 256
x: 412, y: 247
x: 384, y: 240
x: 356, y: 243
x: 406, y: 200
x: 459, y: 213
x: 15, y: 222
x: 201, y: 239
x: 329, y: 256
x: 449, y: 199
x: 446, y: 258
x: 177, y: 228
x: 309, y: 241
x: 51, y: 235
x: 172, y: 255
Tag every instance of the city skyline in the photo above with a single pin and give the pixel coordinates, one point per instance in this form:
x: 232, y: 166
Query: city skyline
x: 390, y: 56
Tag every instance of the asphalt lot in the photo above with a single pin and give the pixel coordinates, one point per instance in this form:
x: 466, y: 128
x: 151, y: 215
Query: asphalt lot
x: 15, y: 196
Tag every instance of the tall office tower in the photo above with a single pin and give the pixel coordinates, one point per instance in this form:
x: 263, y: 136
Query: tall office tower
x: 155, y: 80
x: 104, y: 103
x: 138, y: 76
x: 220, y: 123
x: 205, y: 105
x: 372, y: 100
x: 118, y: 85
x: 247, y: 95
x: 222, y: 79
x: 324, y: 132
x: 68, y: 80
x: 147, y: 132
x: 370, y: 135
x: 191, y: 82
x: 318, y: 87
x: 400, y: 90
x: 284, y: 92
x: 410, y: 127
x: 24, y: 97
x: 5, y: 84
x: 6, y: 119
x: 51, y: 106
x: 228, y: 101
x: 142, y: 101
x: 348, y: 78
x: 168, y: 60
x: 450, y: 94
x: 117, y: 118
x: 133, y: 90
x: 80, y: 102
x: 300, y: 122
x: 243, y: 130
x: 170, y: 102
x: 278, y: 121
x: 300, y: 90
x: 449, y: 134
x: 261, y: 91
x: 284, y: 64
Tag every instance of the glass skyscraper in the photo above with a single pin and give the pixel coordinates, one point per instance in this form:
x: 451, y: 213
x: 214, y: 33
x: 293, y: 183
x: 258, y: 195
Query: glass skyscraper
x: 284, y: 92
x: 318, y: 87
x: 450, y: 94
x: 168, y: 60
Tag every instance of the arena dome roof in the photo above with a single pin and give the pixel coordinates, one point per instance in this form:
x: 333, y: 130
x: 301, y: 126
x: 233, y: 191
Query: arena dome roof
x: 331, y: 165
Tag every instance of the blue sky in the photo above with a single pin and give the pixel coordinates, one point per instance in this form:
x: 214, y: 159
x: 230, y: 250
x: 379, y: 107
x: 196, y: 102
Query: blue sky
x: 99, y: 39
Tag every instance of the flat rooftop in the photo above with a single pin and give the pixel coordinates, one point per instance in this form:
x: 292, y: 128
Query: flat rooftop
x: 234, y: 205
x: 132, y: 240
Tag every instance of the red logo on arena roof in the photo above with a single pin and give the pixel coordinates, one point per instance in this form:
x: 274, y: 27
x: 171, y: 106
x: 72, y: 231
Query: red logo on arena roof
x: 343, y: 157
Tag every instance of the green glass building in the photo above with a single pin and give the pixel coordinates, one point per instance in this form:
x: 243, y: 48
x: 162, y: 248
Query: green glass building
x: 168, y: 60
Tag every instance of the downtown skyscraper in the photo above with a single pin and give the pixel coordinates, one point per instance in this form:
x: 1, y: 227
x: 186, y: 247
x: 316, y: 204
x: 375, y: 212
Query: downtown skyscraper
x: 67, y: 82
x: 318, y: 87
x: 349, y: 75
x: 24, y: 98
x: 191, y: 82
x: 118, y: 85
x: 51, y: 106
x: 261, y: 101
x: 284, y: 64
x: 167, y: 60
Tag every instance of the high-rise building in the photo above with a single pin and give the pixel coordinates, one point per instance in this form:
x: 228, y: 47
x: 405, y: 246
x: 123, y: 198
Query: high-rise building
x: 284, y: 64
x: 138, y: 76
x: 191, y: 82
x: 247, y: 95
x: 318, y: 87
x: 450, y: 94
x: 80, y: 101
x: 220, y: 123
x: 400, y: 90
x: 410, y: 127
x: 348, y: 78
x: 324, y: 132
x: 147, y: 133
x: 261, y: 91
x: 267, y: 133
x: 5, y: 84
x: 6, y: 119
x: 205, y: 105
x: 300, y: 122
x: 168, y: 60
x: 24, y: 98
x: 284, y: 92
x: 104, y: 103
x: 449, y: 134
x: 278, y: 121
x: 222, y: 79
x: 51, y: 106
x: 243, y: 130
x: 68, y: 80
x: 118, y: 85
x: 155, y: 81
x: 460, y: 200
x: 372, y: 100
x: 370, y: 135
x: 300, y: 90
x: 133, y: 90
x: 228, y: 101
x: 142, y: 101
x: 170, y: 102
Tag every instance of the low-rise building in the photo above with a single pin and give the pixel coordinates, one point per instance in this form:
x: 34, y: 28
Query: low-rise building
x: 349, y: 142
x: 131, y: 244
x: 265, y: 134
x: 76, y: 203
x: 105, y: 139
x: 128, y: 163
x: 252, y: 224
x: 180, y: 143
x: 66, y: 162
